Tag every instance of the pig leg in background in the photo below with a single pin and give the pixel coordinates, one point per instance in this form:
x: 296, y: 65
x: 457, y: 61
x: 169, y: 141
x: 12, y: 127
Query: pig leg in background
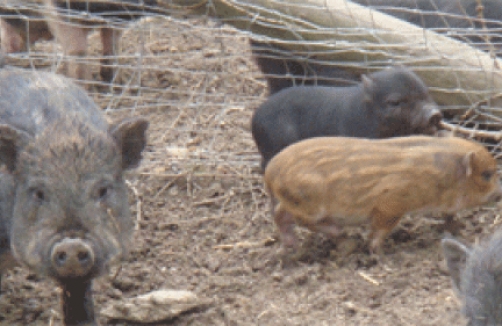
x: 11, y: 41
x: 326, y: 226
x: 73, y: 40
x: 109, y: 39
x: 77, y: 303
x: 7, y: 261
x: 18, y: 31
x: 282, y: 69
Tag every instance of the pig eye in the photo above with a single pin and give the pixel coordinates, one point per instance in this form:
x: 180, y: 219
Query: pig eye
x: 487, y: 175
x: 103, y: 192
x: 395, y: 102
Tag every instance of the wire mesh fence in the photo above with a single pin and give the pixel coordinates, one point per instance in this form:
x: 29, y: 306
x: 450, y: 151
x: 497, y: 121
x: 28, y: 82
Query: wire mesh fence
x: 151, y: 70
x: 188, y: 67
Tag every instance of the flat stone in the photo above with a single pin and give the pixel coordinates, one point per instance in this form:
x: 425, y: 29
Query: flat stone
x: 153, y: 307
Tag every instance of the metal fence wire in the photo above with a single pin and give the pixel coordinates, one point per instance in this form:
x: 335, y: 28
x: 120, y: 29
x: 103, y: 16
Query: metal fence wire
x: 203, y: 218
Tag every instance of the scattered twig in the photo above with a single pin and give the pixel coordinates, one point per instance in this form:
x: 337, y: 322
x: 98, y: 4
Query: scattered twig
x: 209, y: 201
x: 352, y: 306
x: 368, y: 278
x: 496, y: 221
x: 139, y: 204
x: 476, y: 109
x: 116, y: 274
x: 247, y: 244
x: 54, y: 314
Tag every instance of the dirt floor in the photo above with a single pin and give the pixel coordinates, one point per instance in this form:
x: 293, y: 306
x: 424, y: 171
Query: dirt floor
x: 203, y: 215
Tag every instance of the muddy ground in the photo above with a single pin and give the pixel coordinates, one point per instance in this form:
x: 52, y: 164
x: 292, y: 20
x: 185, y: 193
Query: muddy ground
x: 203, y: 216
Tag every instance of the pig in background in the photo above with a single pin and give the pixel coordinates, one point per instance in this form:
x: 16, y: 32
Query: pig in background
x: 476, y: 273
x: 282, y: 69
x: 327, y: 183
x: 388, y: 103
x: 456, y: 18
x: 63, y: 201
x: 26, y: 21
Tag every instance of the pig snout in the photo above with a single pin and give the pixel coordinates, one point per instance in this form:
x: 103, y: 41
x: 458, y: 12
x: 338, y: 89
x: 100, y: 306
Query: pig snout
x: 72, y: 258
x: 434, y: 118
x: 428, y: 121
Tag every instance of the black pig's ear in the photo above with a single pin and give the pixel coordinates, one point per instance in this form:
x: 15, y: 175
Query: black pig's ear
x: 456, y: 255
x: 130, y: 135
x: 12, y: 140
x: 368, y: 85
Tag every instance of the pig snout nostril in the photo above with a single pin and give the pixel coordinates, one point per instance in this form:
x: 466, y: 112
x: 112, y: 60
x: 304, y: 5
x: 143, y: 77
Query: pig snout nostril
x: 72, y: 258
x: 83, y: 257
x: 60, y: 258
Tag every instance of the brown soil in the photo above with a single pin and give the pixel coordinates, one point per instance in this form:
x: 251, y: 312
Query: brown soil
x: 203, y: 217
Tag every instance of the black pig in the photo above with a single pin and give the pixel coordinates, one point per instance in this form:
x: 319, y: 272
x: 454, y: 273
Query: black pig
x: 393, y: 102
x: 283, y: 69
x: 477, y: 276
x: 69, y: 216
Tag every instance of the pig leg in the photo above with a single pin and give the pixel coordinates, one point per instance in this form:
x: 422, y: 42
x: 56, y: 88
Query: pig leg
x: 327, y: 227
x: 11, y: 40
x: 381, y: 226
x: 7, y: 261
x: 78, y: 307
x: 73, y: 39
x: 285, y: 222
x: 109, y: 39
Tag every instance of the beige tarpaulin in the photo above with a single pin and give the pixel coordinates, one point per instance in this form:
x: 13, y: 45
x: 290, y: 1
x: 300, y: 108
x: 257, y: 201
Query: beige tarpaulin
x: 342, y: 31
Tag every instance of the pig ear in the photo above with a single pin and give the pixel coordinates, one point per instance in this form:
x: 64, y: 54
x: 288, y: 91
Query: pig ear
x: 11, y: 141
x: 456, y: 255
x: 131, y: 137
x: 368, y: 87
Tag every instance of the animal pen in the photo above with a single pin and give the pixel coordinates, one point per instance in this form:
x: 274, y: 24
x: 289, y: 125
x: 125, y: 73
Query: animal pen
x: 203, y: 217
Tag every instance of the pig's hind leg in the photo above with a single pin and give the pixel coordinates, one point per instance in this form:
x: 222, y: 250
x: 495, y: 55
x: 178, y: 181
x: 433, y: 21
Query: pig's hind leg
x: 109, y: 39
x: 11, y: 40
x: 285, y: 222
x: 327, y: 227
